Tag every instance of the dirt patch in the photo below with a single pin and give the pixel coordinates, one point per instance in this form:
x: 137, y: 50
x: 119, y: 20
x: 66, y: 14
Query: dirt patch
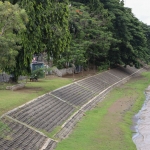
x: 121, y: 105
x: 30, y: 90
x: 49, y: 77
x: 115, y: 116
x: 112, y: 122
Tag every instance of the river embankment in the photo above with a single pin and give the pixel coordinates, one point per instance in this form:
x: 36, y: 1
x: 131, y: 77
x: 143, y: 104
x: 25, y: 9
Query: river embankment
x: 142, y: 127
x: 108, y: 125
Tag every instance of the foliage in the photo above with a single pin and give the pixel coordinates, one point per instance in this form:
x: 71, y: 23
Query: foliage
x: 12, y: 22
x: 40, y: 72
x: 47, y: 30
x: 129, y: 46
x: 90, y: 36
x: 104, y: 66
x: 47, y: 27
x: 146, y: 29
x: 83, y: 32
x: 61, y: 63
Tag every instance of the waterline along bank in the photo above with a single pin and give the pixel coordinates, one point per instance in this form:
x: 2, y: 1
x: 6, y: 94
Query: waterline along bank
x: 142, y: 136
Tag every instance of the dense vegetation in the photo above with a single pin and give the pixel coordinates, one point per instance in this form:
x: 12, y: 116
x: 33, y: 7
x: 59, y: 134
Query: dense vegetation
x: 13, y: 20
x: 97, y: 32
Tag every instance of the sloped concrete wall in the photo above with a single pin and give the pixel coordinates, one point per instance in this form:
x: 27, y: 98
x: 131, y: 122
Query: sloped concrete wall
x: 62, y: 72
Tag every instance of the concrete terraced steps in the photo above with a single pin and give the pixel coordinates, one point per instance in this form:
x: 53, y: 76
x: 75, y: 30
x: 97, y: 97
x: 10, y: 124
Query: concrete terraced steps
x: 112, y: 79
x: 74, y: 94
x: 62, y: 107
x: 45, y: 113
x: 17, y: 136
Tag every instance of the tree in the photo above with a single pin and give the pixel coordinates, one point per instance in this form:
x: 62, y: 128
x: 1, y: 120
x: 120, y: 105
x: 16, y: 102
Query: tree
x: 146, y: 29
x: 90, y: 36
x: 12, y: 21
x: 129, y: 46
x: 47, y: 30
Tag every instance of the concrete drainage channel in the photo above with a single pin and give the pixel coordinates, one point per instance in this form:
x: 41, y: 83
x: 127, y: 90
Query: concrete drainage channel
x: 50, y: 110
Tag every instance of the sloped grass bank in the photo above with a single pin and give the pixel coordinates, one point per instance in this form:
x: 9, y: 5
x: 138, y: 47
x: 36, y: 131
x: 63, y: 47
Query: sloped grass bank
x: 108, y: 126
x: 12, y: 99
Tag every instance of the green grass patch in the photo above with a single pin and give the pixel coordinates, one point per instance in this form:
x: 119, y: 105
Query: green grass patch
x: 138, y: 87
x: 51, y: 134
x: 3, y: 130
x: 95, y: 131
x: 11, y: 99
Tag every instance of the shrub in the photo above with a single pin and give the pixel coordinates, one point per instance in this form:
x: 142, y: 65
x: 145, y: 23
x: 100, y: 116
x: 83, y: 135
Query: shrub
x: 40, y: 72
x: 104, y: 66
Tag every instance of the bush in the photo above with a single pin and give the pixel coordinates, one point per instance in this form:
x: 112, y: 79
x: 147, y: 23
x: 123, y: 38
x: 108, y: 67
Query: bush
x: 40, y: 72
x: 104, y: 66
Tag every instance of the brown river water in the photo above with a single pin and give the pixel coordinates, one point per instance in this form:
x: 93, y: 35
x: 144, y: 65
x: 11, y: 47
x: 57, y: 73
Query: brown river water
x: 142, y: 128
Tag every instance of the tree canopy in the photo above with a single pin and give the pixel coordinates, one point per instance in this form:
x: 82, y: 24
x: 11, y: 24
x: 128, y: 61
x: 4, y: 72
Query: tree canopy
x: 47, y: 30
x: 130, y: 45
x: 89, y: 31
x: 85, y: 32
x: 12, y: 21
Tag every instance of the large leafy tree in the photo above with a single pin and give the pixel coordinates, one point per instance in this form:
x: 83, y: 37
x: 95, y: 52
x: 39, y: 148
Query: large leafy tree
x: 47, y: 27
x: 101, y: 31
x: 47, y: 30
x: 146, y: 29
x: 115, y: 34
x: 12, y: 21
x: 90, y: 36
x: 129, y: 47
x: 98, y: 51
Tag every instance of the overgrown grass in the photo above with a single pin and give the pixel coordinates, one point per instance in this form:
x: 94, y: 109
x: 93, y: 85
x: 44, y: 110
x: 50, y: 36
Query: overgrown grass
x: 94, y: 132
x: 138, y: 88
x: 3, y: 127
x: 11, y: 99
x: 52, y: 133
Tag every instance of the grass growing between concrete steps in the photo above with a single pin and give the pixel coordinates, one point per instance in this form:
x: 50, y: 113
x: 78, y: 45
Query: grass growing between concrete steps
x: 11, y: 99
x: 108, y: 126
x: 3, y: 126
x: 52, y: 133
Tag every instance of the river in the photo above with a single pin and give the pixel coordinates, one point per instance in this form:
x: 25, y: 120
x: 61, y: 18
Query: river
x: 142, y: 136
